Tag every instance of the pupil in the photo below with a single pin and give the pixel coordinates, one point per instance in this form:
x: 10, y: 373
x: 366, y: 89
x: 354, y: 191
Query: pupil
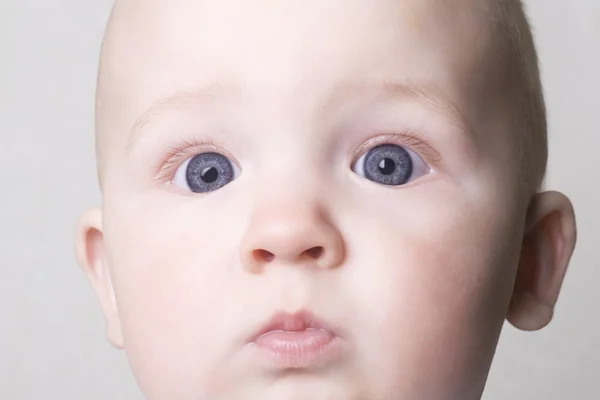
x: 387, y: 166
x: 209, y: 175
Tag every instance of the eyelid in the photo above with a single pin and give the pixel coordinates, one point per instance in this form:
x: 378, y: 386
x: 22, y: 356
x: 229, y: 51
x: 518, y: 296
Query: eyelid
x: 408, y: 138
x: 186, y: 148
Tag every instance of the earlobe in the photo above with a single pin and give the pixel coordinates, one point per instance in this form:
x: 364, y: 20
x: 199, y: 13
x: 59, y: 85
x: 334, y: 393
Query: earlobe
x: 91, y: 256
x: 548, y: 244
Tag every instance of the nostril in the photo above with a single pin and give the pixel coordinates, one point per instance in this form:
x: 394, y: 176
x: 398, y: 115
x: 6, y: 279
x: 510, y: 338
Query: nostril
x: 262, y: 255
x: 315, y: 252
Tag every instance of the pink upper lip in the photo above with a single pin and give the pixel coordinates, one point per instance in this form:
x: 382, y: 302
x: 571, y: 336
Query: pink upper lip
x: 296, y: 322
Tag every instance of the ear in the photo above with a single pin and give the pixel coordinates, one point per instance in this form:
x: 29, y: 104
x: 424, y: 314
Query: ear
x: 91, y: 255
x: 548, y: 244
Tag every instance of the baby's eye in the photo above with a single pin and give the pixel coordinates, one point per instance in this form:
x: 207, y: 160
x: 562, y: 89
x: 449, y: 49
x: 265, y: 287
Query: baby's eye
x: 205, y: 172
x: 390, y: 165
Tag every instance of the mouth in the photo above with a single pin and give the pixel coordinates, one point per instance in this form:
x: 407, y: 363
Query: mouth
x: 298, y: 340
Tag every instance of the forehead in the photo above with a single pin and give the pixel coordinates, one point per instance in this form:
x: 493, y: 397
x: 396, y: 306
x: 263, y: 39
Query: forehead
x: 288, y: 53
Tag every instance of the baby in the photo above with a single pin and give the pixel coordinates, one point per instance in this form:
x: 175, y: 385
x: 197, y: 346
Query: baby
x: 333, y: 199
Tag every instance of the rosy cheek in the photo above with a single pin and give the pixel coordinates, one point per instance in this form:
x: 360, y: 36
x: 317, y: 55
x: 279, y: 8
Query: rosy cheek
x: 166, y: 289
x: 432, y: 284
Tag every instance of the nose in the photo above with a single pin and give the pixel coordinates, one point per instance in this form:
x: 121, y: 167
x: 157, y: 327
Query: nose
x: 293, y: 233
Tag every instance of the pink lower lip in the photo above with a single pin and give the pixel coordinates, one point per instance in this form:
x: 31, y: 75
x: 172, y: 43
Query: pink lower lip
x: 302, y: 349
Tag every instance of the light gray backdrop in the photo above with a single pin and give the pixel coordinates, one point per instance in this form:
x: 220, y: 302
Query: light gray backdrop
x: 52, y: 343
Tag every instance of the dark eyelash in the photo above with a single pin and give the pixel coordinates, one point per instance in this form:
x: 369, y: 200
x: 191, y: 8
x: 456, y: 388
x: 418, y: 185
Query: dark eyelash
x: 409, y: 138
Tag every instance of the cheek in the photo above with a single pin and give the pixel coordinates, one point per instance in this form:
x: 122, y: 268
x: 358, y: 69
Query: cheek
x: 434, y: 283
x: 168, y: 277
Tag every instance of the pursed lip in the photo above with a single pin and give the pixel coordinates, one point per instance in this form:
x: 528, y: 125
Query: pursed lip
x: 298, y: 340
x: 292, y: 322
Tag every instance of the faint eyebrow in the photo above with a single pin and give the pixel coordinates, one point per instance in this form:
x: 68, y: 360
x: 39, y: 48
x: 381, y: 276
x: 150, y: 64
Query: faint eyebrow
x: 427, y: 94
x: 180, y: 100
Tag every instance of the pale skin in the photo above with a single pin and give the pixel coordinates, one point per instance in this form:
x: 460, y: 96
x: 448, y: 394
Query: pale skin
x: 418, y: 277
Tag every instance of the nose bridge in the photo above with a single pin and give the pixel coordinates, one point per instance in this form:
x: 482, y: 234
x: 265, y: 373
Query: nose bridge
x: 292, y: 228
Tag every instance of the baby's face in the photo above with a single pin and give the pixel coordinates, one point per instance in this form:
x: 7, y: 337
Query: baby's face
x: 342, y: 167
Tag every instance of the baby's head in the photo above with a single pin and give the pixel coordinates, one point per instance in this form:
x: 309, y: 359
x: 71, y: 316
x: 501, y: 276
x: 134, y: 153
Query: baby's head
x: 356, y: 180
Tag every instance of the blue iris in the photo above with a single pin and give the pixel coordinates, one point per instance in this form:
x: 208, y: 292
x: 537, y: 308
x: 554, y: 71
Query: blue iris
x: 208, y: 172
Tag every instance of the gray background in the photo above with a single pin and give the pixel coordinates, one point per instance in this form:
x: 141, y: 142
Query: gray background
x: 52, y: 343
